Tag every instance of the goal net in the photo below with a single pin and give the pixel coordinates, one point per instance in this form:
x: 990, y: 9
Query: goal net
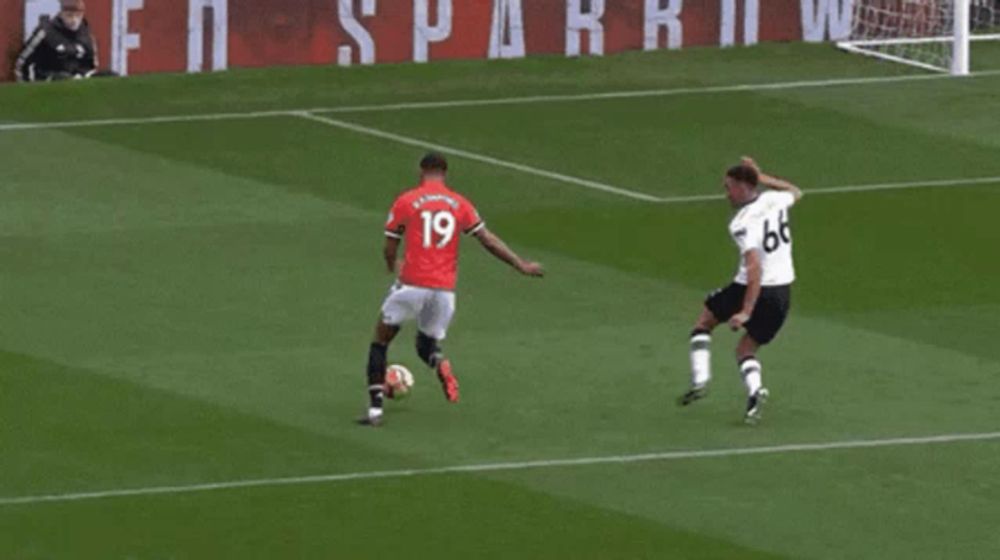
x: 930, y: 34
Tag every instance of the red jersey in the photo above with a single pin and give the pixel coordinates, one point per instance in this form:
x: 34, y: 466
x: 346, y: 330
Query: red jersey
x: 429, y: 218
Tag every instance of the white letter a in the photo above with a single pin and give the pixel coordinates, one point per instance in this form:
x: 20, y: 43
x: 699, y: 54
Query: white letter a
x: 507, y: 30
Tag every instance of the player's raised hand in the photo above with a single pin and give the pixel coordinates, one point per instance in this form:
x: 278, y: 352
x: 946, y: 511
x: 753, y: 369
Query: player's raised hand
x: 749, y: 162
x: 531, y: 269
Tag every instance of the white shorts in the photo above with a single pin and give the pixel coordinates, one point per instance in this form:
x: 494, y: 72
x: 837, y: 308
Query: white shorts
x: 433, y: 309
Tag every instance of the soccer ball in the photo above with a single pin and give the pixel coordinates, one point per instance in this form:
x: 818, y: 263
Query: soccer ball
x: 398, y: 382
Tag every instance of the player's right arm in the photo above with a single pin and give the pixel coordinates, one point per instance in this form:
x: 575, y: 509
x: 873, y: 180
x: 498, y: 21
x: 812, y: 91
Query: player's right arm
x: 773, y: 182
x: 755, y: 276
x: 500, y: 250
x: 390, y: 252
x: 395, y: 226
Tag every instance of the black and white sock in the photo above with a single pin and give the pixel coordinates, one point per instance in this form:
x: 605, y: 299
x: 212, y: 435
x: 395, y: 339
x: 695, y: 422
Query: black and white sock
x: 429, y: 351
x: 376, y: 378
x: 701, y: 358
x: 750, y: 370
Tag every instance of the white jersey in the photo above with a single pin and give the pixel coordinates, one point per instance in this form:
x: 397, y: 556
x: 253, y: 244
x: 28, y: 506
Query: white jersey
x: 763, y: 225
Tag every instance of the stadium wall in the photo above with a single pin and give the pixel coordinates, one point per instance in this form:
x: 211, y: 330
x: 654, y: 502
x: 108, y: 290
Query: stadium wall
x: 142, y: 36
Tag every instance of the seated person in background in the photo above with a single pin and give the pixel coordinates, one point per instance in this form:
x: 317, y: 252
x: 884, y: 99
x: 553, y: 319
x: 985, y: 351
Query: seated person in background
x: 59, y: 49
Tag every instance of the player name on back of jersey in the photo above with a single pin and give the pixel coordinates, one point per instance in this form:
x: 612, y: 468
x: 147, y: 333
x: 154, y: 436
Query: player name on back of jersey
x: 450, y: 201
x: 764, y: 226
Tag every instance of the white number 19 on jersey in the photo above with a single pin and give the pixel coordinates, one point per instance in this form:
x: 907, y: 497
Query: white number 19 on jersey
x: 440, y: 223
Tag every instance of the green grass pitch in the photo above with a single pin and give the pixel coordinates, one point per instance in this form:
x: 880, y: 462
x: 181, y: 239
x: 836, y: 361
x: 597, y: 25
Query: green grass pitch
x: 191, y: 302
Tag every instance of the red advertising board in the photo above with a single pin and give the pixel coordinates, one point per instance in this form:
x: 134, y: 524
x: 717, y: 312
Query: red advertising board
x: 140, y: 36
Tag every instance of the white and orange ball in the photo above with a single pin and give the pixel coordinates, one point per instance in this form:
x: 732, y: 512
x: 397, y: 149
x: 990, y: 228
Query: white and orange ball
x: 398, y: 382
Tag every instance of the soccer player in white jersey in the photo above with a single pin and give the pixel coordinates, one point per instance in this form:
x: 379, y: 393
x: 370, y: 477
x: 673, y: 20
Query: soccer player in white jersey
x: 759, y: 297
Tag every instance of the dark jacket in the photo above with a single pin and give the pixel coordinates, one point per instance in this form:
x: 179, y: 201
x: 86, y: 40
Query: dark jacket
x: 54, y: 52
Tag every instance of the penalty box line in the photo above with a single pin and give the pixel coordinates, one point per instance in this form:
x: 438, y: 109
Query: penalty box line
x: 482, y: 158
x: 514, y: 100
x: 503, y: 467
x: 615, y: 190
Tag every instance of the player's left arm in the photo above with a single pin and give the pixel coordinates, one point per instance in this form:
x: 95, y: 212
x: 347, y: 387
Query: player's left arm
x: 473, y: 225
x: 500, y: 250
x: 773, y: 182
x: 755, y: 273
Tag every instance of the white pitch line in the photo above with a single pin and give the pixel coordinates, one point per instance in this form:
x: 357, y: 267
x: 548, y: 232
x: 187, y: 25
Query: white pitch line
x: 911, y: 185
x: 503, y: 467
x: 556, y: 98
x: 521, y: 100
x: 586, y: 183
x: 483, y: 158
x: 11, y: 127
x: 619, y: 190
x: 970, y: 182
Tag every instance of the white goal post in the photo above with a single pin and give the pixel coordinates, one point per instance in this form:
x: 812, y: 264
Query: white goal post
x: 930, y: 34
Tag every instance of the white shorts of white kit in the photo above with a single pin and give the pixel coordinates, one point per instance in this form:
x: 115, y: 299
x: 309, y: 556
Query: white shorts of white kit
x: 433, y: 309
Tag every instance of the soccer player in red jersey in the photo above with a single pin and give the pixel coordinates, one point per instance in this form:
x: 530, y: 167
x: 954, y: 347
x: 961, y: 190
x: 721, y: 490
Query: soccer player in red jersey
x: 427, y: 220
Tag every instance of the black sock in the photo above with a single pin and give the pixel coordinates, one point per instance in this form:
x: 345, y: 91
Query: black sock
x: 428, y: 350
x: 376, y: 374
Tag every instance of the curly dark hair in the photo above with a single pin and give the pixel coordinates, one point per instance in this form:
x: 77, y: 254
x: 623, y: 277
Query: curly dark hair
x: 744, y: 174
